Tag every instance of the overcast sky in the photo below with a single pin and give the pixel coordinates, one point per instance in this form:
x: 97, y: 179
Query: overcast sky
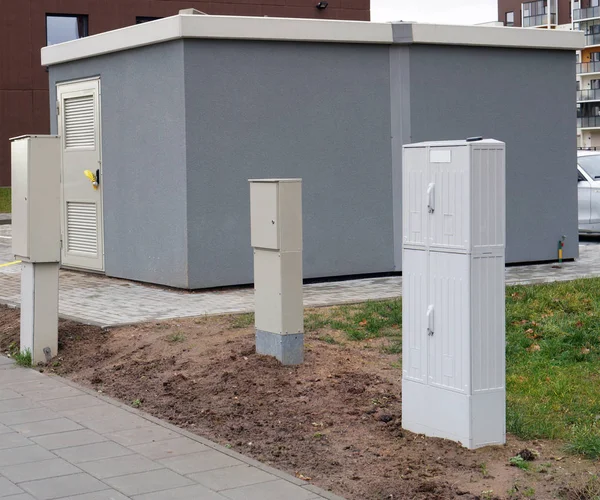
x: 435, y: 11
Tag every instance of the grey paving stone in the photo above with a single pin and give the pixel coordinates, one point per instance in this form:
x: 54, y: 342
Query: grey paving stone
x: 43, y: 384
x: 100, y: 412
x: 119, y: 466
x: 273, y: 490
x: 147, y: 482
x: 4, y: 429
x: 25, y: 454
x: 4, y: 361
x: 68, y: 439
x: 127, y: 421
x: 55, y: 393
x: 91, y: 452
x: 199, y: 462
x: 8, y: 394
x: 22, y: 496
x: 31, y: 429
x: 17, y: 374
x: 17, y: 404
x: 41, y: 470
x: 13, y: 440
x: 232, y: 477
x: 148, y: 434
x: 58, y: 487
x: 73, y: 403
x: 195, y: 492
x: 169, y: 448
x: 7, y: 488
x: 25, y: 416
x: 99, y: 495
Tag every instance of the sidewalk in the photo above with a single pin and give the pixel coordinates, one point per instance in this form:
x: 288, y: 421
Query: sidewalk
x: 104, y: 302
x: 60, y: 441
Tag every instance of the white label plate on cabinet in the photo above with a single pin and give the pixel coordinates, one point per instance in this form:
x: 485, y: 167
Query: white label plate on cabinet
x: 440, y: 156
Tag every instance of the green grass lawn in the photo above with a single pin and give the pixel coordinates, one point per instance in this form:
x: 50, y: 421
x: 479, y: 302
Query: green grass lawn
x: 552, y: 349
x: 5, y: 200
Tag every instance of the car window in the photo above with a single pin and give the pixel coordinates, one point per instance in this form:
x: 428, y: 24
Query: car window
x: 580, y: 177
x: 591, y: 165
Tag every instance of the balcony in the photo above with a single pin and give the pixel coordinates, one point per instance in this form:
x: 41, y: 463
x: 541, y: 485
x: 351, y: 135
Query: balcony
x: 588, y: 95
x: 588, y: 122
x: 536, y: 13
x: 540, y: 20
x: 593, y: 39
x: 588, y: 67
x: 589, y: 13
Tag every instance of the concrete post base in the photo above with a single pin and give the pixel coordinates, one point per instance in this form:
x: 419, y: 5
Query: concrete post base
x: 39, y: 310
x: 288, y: 349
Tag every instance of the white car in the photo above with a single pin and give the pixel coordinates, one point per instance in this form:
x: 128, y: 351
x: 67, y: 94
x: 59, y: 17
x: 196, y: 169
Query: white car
x: 588, y: 189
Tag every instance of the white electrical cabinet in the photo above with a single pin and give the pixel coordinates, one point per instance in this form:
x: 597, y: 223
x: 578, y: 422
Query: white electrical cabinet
x: 453, y: 330
x: 36, y: 198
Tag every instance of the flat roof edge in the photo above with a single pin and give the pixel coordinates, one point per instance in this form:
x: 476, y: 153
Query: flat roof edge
x: 305, y: 30
x: 497, y: 36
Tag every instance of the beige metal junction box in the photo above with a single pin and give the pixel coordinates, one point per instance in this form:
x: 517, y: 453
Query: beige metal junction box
x: 36, y: 198
x: 276, y: 214
x: 276, y: 234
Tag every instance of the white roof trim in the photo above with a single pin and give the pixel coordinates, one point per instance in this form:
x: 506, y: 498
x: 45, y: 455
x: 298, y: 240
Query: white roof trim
x: 305, y: 30
x: 139, y: 35
x: 286, y: 29
x: 497, y: 36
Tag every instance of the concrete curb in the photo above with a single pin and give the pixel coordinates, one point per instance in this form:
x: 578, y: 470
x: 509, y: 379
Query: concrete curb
x: 217, y: 447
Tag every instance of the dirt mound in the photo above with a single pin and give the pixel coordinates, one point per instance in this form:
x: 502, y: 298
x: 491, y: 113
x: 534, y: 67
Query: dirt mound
x: 334, y: 421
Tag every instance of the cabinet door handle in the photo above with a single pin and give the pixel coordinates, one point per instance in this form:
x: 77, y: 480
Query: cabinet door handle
x: 430, y: 320
x: 431, y: 198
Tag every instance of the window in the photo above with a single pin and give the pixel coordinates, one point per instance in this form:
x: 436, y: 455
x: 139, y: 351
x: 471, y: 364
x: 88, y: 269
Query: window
x: 595, y: 57
x: 509, y: 19
x: 65, y: 27
x: 595, y: 84
x: 145, y: 19
x: 594, y: 3
x: 591, y: 165
x: 578, y: 84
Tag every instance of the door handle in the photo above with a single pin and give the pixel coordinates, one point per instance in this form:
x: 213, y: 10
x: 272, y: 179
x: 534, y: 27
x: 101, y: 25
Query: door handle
x: 97, y: 177
x: 431, y: 198
x: 430, y: 324
x: 93, y: 178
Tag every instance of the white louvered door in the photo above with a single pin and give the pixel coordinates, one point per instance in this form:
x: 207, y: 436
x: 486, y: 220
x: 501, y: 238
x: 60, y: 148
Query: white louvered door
x: 79, y: 127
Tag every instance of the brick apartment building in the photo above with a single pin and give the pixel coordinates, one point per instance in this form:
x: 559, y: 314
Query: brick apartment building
x: 583, y: 15
x: 534, y: 14
x: 28, y: 25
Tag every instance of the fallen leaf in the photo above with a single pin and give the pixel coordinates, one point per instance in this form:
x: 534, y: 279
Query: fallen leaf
x: 530, y: 330
x: 585, y: 350
x: 534, y: 347
x: 363, y: 322
x: 303, y: 477
x: 579, y: 324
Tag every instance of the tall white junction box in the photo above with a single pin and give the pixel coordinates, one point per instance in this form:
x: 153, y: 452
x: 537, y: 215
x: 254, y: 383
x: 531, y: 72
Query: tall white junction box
x: 453, y: 348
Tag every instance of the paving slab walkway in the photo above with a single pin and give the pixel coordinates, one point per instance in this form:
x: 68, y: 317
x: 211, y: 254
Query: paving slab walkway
x: 61, y: 441
x: 102, y: 301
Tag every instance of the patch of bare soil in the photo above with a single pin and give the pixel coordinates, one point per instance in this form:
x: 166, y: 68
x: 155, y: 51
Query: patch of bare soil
x: 334, y: 421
